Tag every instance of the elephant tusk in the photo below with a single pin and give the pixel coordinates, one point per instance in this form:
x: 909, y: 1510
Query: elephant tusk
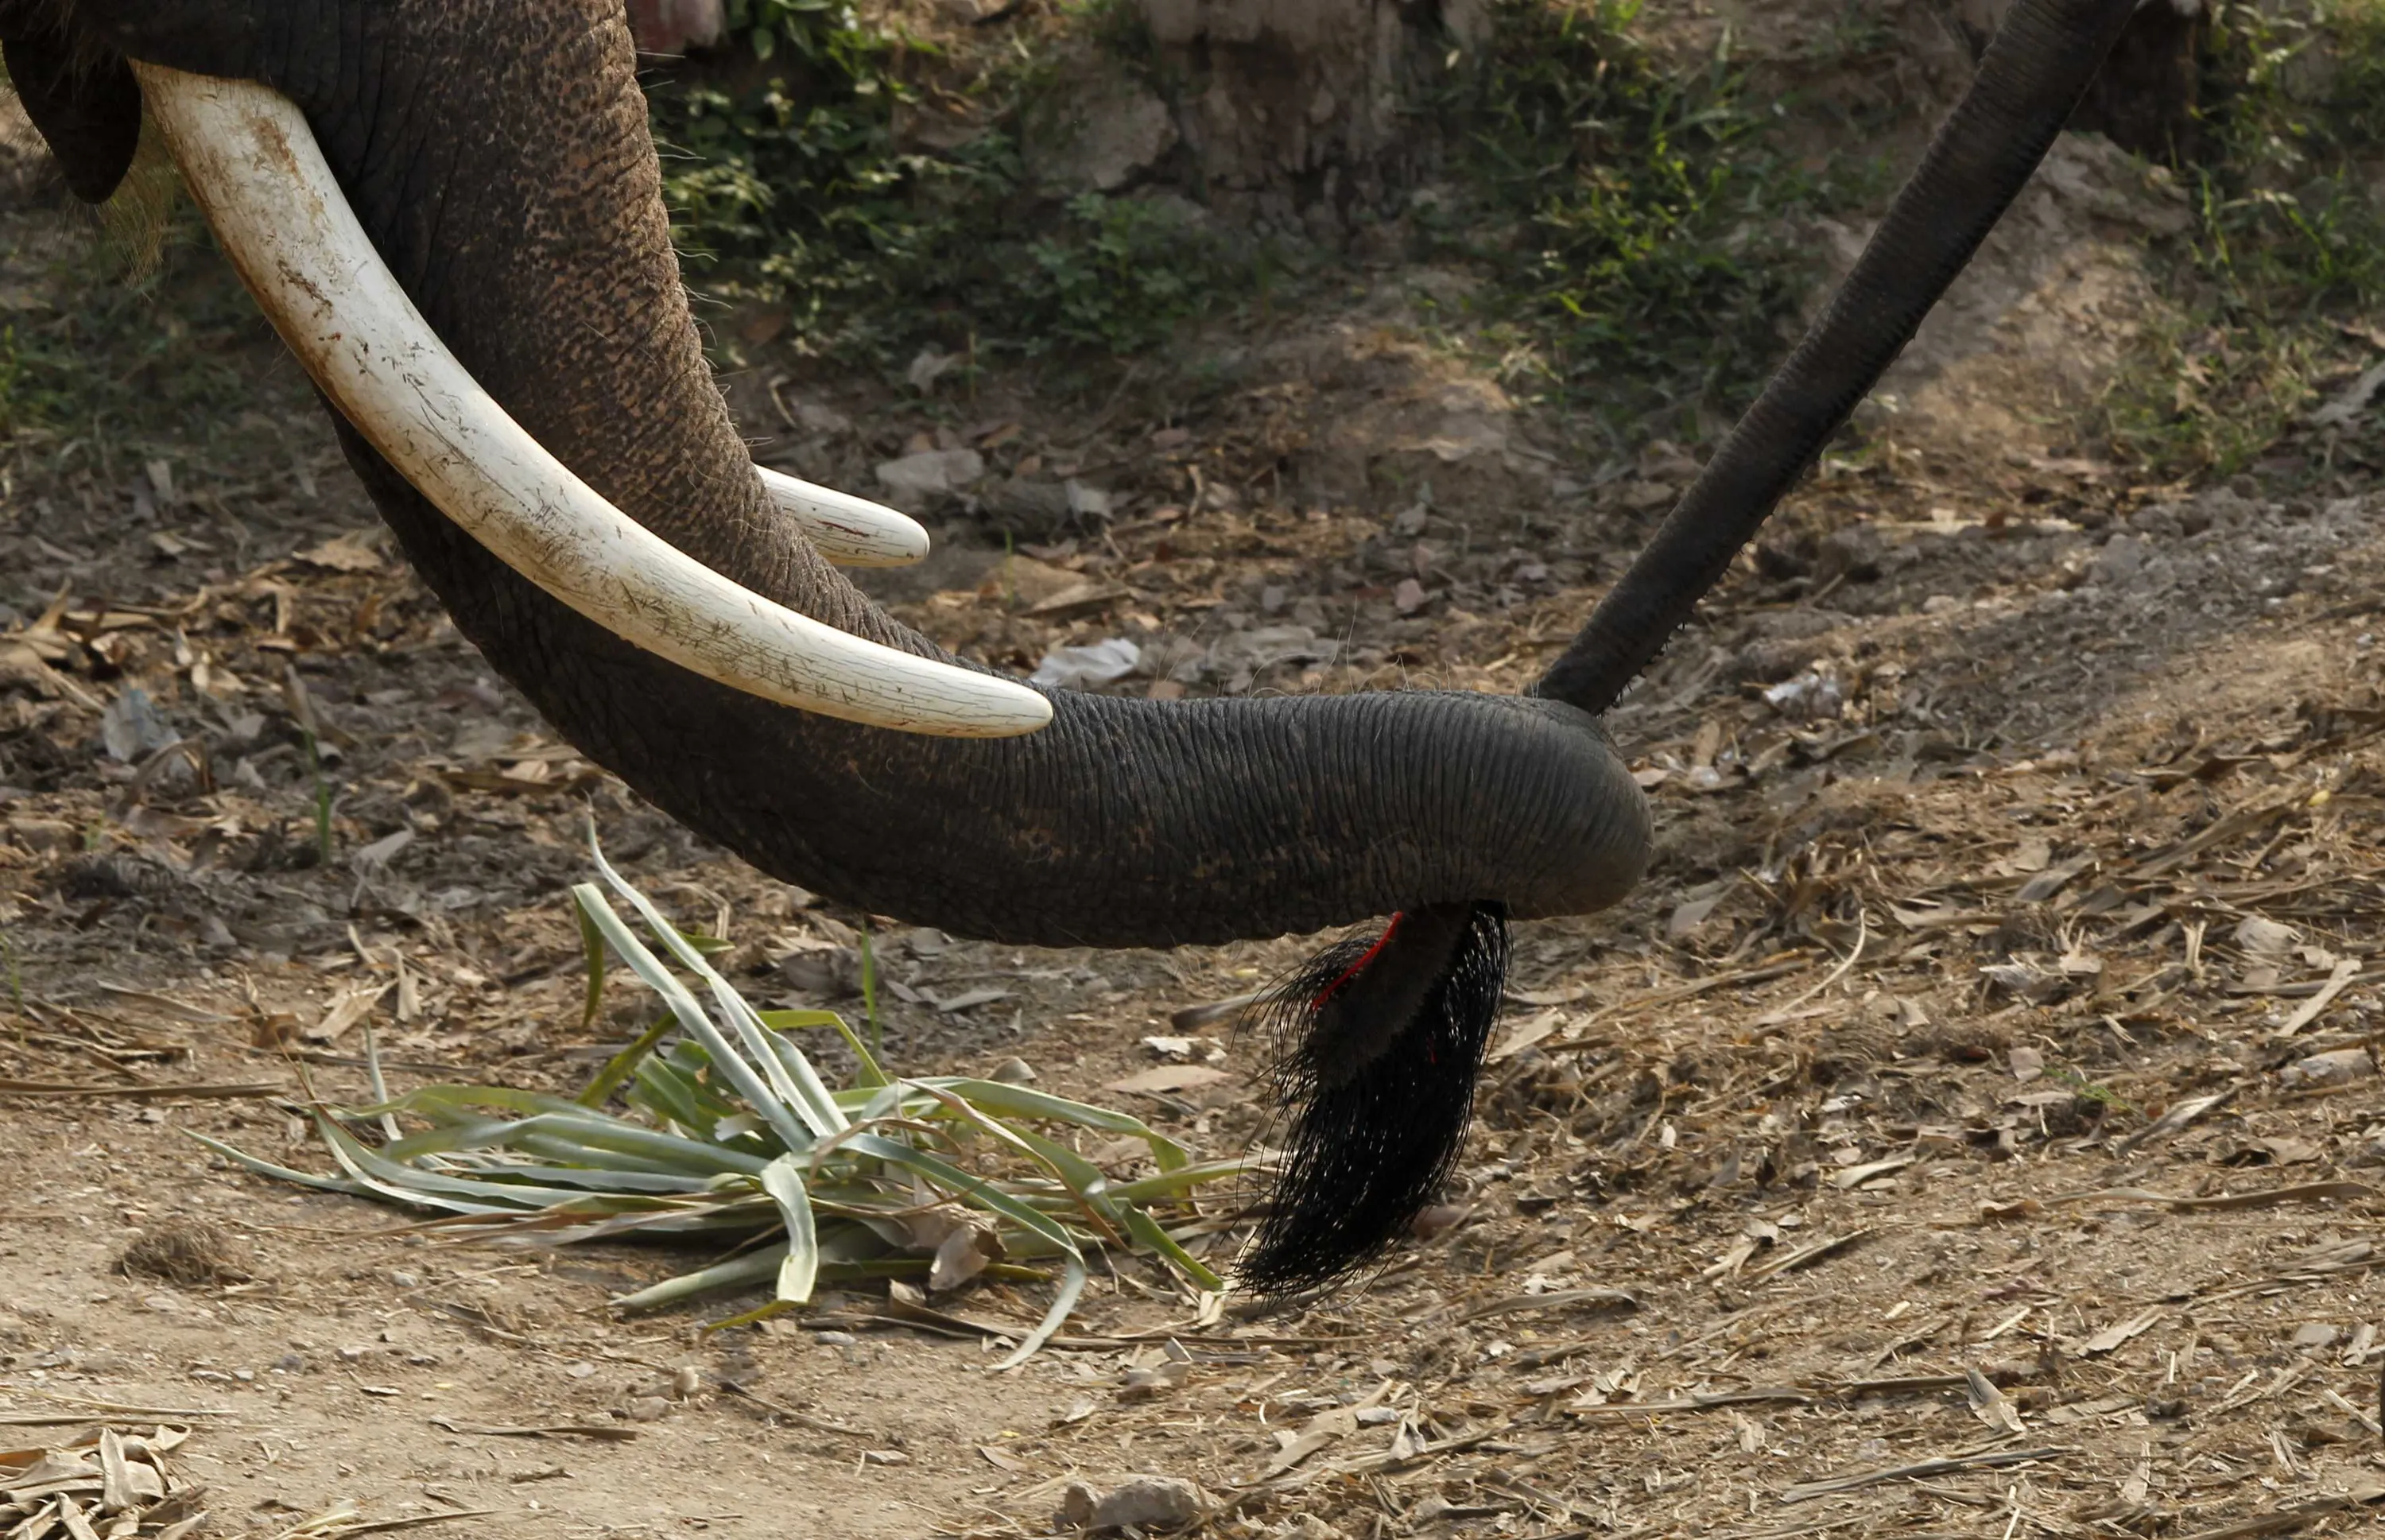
x: 849, y: 531
x: 254, y: 166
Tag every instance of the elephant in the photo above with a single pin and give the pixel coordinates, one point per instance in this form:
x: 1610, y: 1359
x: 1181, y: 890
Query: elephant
x: 452, y: 210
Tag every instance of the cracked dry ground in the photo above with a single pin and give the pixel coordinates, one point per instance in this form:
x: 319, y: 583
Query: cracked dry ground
x: 1973, y: 1126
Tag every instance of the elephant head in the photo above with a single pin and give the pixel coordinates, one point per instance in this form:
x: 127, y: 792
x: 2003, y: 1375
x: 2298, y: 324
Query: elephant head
x: 594, y: 524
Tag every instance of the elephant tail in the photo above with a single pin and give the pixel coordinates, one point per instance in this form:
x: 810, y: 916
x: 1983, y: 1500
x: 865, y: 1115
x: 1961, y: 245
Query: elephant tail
x: 1378, y: 1042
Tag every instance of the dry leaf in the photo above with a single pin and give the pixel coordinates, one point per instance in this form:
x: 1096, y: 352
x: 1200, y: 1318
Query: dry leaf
x: 352, y: 552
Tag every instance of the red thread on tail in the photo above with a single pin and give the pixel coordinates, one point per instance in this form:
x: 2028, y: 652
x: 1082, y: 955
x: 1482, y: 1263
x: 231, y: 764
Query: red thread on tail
x: 1356, y: 968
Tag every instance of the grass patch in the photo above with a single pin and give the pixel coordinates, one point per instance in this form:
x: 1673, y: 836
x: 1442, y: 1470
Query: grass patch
x: 730, y: 1135
x: 2288, y: 250
x: 796, y: 194
x: 1633, y: 214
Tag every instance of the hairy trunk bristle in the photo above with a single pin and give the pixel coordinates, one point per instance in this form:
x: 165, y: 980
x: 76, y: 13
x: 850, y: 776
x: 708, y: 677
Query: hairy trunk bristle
x: 1378, y: 1042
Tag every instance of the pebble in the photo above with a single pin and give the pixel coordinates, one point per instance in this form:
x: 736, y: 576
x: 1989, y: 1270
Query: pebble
x: 1150, y: 1502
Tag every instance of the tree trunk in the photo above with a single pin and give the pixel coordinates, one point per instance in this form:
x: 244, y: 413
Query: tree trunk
x: 1295, y: 113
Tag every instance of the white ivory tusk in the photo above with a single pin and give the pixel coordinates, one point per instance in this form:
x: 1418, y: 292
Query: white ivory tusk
x: 849, y: 531
x: 254, y: 168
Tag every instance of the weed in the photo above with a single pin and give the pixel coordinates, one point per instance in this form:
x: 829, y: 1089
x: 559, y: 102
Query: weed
x: 302, y: 712
x: 2094, y: 1091
x: 2287, y: 246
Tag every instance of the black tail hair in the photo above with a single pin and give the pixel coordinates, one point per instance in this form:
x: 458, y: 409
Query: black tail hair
x: 1378, y: 1045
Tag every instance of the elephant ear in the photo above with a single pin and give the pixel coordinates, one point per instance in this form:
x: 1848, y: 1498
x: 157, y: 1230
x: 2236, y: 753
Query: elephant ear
x: 83, y: 101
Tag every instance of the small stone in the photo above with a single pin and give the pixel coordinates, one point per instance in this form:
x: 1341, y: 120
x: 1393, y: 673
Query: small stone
x: 685, y: 1380
x: 931, y: 473
x: 1150, y: 1502
x: 1077, y: 1505
x: 2340, y: 1067
x: 836, y: 1339
x: 2122, y: 558
x: 405, y: 1280
x: 1014, y: 1071
x: 353, y: 1353
x: 648, y: 1409
x: 2316, y: 1333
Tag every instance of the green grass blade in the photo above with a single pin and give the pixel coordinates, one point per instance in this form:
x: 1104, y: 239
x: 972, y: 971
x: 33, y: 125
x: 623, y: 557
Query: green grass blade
x: 1183, y: 1180
x: 248, y: 1162
x: 666, y: 1151
x: 976, y: 1189
x: 1022, y: 1101
x: 800, y: 1270
x: 1147, y: 1232
x: 1072, y: 1288
x: 872, y: 1075
x: 415, y: 1185
x: 619, y: 1068
x: 784, y: 1121
x: 754, y: 1266
x: 592, y: 947
x: 791, y: 1074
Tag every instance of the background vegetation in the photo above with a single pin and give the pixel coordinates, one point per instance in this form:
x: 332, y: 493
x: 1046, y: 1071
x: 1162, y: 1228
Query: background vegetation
x: 2282, y: 281
x: 1626, y: 211
x: 797, y: 193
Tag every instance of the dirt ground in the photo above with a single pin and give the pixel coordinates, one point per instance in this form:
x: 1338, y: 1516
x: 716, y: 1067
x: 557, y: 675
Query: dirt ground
x: 1974, y: 1126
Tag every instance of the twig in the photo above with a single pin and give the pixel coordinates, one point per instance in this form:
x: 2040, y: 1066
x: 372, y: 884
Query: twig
x: 547, y: 1430
x: 1948, y: 1465
x: 2307, y: 1191
x: 1612, y: 1299
x: 1808, y: 1254
x: 1760, y: 1396
x: 2280, y: 1523
x: 138, y: 1092
x: 801, y: 1418
x: 1863, y: 933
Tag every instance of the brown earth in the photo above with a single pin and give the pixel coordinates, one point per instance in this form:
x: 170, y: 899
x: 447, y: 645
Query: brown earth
x: 1985, y: 1076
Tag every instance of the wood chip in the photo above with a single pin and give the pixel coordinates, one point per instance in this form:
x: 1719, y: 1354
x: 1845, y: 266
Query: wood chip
x: 1988, y: 1404
x: 2111, y: 1337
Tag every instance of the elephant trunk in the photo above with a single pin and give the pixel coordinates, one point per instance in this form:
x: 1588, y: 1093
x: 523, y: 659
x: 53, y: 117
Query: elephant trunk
x: 499, y: 159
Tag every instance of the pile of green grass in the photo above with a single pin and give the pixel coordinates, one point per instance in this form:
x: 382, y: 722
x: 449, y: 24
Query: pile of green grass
x: 728, y: 1136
